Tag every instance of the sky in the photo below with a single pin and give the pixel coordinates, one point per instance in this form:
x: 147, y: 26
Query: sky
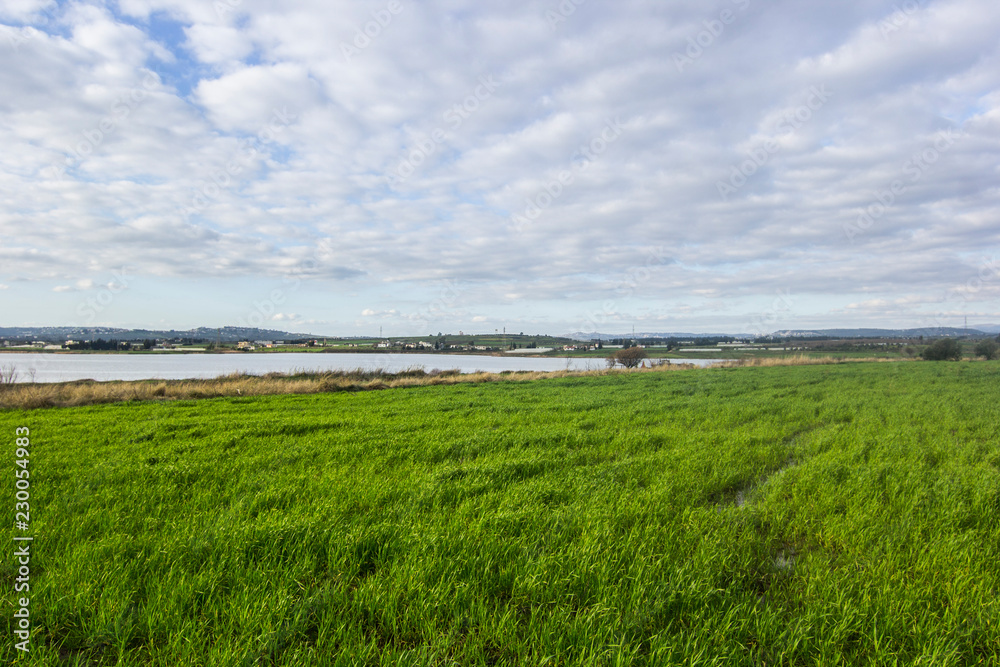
x: 546, y: 166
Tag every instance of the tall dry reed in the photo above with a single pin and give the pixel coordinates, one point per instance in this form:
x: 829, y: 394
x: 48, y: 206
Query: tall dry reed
x: 90, y: 392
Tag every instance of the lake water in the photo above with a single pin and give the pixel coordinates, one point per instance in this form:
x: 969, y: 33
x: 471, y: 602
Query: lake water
x: 41, y: 367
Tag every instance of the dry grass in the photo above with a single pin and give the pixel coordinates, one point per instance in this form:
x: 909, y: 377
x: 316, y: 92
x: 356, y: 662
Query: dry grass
x: 797, y: 360
x: 90, y: 392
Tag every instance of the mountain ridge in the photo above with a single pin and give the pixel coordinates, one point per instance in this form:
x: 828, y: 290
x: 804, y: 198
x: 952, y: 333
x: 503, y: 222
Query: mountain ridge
x: 807, y: 333
x: 223, y: 334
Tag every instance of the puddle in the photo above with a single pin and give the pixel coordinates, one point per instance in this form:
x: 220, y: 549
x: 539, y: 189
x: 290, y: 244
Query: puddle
x: 785, y: 560
x: 732, y: 498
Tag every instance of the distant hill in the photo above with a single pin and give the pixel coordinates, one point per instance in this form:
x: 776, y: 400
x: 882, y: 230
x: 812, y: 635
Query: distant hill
x: 236, y: 334
x: 225, y: 334
x: 639, y: 335
x: 926, y: 332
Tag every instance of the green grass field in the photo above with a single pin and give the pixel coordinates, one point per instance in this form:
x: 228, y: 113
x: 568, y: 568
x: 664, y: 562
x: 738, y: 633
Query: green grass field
x: 815, y: 515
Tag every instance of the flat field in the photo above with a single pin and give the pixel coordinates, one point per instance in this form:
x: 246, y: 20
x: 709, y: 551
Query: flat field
x: 814, y: 515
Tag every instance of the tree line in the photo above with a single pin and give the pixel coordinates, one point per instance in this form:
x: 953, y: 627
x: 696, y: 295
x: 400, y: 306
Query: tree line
x: 101, y: 345
x: 949, y: 349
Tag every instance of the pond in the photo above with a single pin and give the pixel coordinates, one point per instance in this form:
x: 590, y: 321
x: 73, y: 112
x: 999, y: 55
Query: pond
x: 57, y: 367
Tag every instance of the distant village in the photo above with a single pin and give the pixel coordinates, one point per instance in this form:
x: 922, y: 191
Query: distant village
x: 242, y: 340
x: 442, y: 344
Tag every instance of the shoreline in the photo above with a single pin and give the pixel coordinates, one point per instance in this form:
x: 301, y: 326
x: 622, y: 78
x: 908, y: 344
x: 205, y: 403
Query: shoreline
x: 285, y: 351
x: 27, y: 396
x: 34, y: 395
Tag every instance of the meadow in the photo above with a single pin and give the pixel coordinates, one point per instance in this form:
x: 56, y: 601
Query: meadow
x: 804, y: 515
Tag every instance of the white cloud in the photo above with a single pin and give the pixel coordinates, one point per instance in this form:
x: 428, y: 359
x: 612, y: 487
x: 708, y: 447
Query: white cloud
x: 219, y: 44
x: 245, y: 100
x: 189, y: 182
x: 27, y: 10
x: 368, y: 312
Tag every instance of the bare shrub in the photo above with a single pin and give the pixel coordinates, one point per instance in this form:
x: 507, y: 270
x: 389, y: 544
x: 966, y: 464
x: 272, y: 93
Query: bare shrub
x: 630, y: 357
x: 8, y: 376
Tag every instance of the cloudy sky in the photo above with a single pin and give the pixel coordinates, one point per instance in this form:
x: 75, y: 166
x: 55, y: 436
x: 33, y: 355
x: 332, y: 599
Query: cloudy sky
x: 334, y: 166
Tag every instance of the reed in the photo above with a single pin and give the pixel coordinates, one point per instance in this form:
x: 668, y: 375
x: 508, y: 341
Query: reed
x: 28, y: 396
x: 89, y: 392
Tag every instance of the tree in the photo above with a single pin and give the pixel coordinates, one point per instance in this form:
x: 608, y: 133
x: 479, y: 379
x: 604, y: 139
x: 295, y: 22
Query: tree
x: 987, y: 348
x: 943, y: 350
x: 630, y: 357
x: 8, y: 376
